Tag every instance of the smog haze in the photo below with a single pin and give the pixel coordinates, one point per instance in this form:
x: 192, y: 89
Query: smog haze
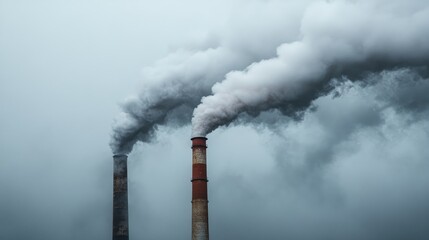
x: 316, y: 114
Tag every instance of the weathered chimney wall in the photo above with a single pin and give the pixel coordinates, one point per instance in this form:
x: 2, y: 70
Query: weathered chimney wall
x: 120, y: 198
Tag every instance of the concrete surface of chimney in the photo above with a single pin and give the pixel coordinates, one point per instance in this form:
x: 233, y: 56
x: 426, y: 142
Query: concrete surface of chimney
x: 120, y: 198
x: 200, y: 224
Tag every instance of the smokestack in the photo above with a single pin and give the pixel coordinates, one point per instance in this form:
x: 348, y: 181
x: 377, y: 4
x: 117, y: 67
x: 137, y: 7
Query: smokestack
x: 200, y: 223
x: 120, y: 198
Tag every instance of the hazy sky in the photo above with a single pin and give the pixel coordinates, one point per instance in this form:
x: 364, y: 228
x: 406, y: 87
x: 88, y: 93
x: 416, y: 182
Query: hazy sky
x: 354, y: 165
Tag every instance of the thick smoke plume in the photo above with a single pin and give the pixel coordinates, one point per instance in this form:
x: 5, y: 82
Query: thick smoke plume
x: 174, y: 86
x: 170, y: 94
x: 338, y: 38
x: 282, y: 63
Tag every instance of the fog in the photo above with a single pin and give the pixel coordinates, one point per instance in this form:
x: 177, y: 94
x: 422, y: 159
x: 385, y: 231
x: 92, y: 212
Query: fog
x: 353, y: 165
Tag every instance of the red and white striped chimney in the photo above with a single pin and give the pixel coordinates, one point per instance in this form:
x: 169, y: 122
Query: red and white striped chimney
x: 200, y: 222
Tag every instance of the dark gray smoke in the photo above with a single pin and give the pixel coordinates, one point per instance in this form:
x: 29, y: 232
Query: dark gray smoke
x: 354, y: 167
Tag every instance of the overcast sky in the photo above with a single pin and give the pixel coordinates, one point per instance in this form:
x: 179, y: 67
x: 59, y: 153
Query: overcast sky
x: 350, y: 163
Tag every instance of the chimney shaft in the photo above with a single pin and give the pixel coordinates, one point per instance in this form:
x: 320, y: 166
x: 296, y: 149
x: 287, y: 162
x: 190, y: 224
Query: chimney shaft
x: 120, y: 198
x: 200, y: 224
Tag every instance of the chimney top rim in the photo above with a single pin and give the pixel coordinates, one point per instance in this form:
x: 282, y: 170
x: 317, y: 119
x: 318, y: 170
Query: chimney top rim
x: 199, y: 138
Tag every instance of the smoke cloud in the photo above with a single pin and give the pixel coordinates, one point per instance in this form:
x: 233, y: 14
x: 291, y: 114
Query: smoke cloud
x: 171, y: 92
x: 174, y: 86
x: 354, y: 167
x: 284, y: 67
x: 338, y: 38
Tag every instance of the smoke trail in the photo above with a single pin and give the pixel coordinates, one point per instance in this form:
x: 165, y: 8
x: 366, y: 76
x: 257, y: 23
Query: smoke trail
x: 338, y: 38
x: 173, y: 89
x: 174, y: 85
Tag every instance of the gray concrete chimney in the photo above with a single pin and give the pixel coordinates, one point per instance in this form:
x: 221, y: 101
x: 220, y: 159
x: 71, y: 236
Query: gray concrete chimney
x: 120, y: 198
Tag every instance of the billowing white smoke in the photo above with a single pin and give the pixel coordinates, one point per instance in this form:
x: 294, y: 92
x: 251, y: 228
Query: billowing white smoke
x: 338, y: 38
x: 173, y: 87
x: 172, y: 84
x: 289, y: 51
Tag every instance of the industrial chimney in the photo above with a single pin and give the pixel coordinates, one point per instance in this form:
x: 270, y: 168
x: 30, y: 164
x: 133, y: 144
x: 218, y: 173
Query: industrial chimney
x: 200, y: 224
x: 120, y: 198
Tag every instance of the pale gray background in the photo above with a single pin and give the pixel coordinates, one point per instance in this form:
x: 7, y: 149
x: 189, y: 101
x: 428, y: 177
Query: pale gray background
x: 353, y: 168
